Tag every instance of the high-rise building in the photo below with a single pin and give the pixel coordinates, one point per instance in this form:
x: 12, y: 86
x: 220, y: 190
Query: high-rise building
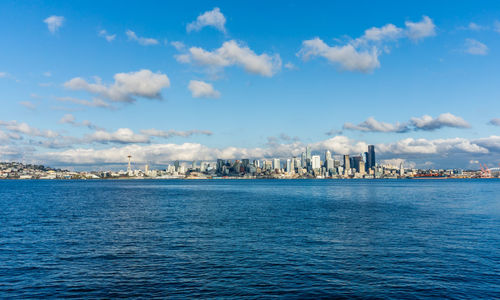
x: 288, y: 165
x: 315, y: 162
x: 347, y: 164
x: 328, y: 155
x: 303, y: 159
x: 276, y: 164
x: 370, y: 157
x: 308, y: 152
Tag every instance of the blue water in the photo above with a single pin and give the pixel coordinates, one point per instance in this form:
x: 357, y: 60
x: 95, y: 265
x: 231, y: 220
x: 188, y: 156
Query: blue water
x: 250, y: 238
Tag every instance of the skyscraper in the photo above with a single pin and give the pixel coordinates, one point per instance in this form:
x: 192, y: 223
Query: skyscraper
x: 315, y: 162
x: 276, y: 164
x: 328, y: 155
x: 308, y: 152
x: 347, y: 164
x: 370, y: 157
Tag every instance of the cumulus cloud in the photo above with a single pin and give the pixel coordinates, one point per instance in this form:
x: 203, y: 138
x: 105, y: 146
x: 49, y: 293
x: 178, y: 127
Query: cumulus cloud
x: 453, y: 152
x: 387, y: 32
x: 141, y: 40
x: 475, y: 47
x: 427, y: 122
x: 109, y: 37
x: 178, y: 45
x: 494, y: 121
x: 232, y: 53
x: 24, y: 128
x: 126, y: 87
x: 347, y: 56
x: 201, y: 89
x: 173, y: 133
x: 362, y: 54
x: 419, y: 30
x: 372, y: 125
x: 54, y: 23
x: 120, y: 136
x: 96, y: 102
x: 213, y: 18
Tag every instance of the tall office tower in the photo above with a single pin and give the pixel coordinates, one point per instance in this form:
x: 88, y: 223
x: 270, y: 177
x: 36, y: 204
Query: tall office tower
x: 401, y: 169
x: 328, y: 155
x: 308, y: 152
x: 146, y: 169
x: 297, y: 163
x: 176, y: 165
x: 245, y: 162
x: 356, y: 163
x: 288, y: 165
x: 370, y: 156
x: 256, y: 163
x: 347, y: 164
x: 329, y: 164
x: 276, y: 164
x: 220, y: 165
x: 361, y: 168
x: 292, y: 166
x: 303, y: 159
x: 193, y: 165
x: 315, y: 162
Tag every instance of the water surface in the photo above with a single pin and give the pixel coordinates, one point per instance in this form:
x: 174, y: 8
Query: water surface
x: 250, y: 238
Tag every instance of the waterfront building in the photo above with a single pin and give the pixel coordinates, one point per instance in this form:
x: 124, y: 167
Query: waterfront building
x: 347, y: 164
x: 315, y: 162
x: 370, y: 157
x: 276, y: 164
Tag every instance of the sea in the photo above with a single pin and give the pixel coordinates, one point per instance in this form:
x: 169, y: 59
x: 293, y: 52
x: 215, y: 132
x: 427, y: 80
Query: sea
x: 240, y: 239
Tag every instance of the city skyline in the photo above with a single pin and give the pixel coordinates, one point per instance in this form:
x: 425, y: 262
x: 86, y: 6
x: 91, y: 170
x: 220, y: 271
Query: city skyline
x: 85, y: 86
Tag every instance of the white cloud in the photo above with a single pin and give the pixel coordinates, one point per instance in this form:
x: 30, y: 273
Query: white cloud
x: 475, y: 47
x: 126, y: 87
x: 372, y: 125
x: 347, y: 56
x: 141, y: 40
x: 54, y: 23
x: 173, y: 133
x: 396, y: 162
x: 494, y: 121
x: 232, y: 53
x: 47, y: 74
x: 178, y: 45
x: 427, y: 122
x: 28, y: 104
x: 120, y: 136
x: 492, y: 143
x: 420, y: 30
x: 362, y: 54
x: 387, y: 32
x: 201, y: 89
x: 212, y: 18
x: 96, y: 102
x: 24, y: 128
x: 109, y: 37
x: 4, y: 74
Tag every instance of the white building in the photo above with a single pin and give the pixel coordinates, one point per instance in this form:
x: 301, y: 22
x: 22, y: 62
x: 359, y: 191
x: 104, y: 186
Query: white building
x: 315, y: 162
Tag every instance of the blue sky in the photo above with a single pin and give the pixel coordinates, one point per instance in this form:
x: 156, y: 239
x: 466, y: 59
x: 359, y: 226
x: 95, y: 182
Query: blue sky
x: 201, y: 80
